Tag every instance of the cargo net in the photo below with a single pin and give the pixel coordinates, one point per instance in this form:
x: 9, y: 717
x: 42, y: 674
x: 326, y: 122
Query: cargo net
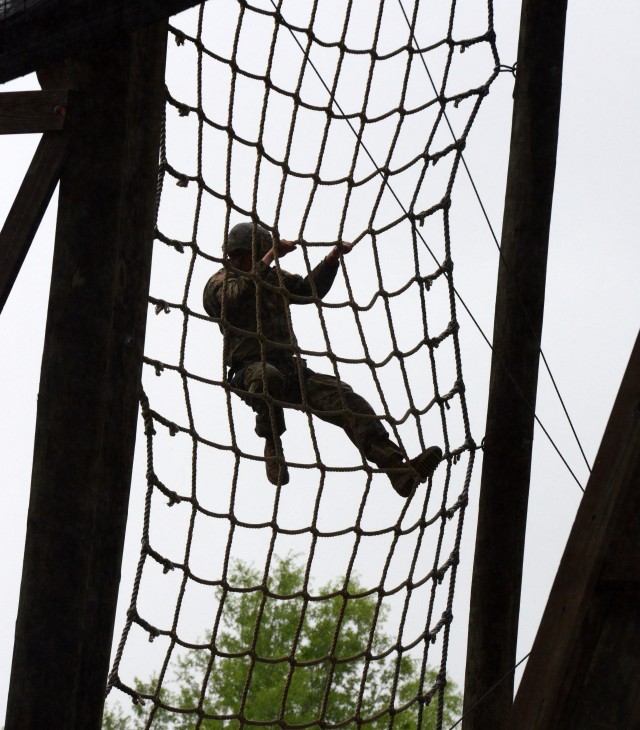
x: 326, y: 601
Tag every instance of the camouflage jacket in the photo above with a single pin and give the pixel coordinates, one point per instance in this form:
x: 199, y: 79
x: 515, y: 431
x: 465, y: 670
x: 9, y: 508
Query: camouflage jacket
x: 233, y: 298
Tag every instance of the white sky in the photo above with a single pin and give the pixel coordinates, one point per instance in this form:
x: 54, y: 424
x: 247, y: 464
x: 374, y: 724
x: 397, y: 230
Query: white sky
x: 591, y: 314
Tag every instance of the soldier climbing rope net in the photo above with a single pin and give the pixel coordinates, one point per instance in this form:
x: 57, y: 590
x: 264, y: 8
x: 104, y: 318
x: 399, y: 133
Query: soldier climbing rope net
x: 321, y: 121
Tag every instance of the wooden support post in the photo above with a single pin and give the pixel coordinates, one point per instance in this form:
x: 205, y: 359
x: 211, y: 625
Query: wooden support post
x: 28, y: 208
x: 89, y: 386
x: 584, y: 666
x: 504, y: 490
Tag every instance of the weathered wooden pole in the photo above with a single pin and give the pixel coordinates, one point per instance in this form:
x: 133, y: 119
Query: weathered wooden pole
x: 88, y: 399
x: 584, y: 666
x: 504, y: 490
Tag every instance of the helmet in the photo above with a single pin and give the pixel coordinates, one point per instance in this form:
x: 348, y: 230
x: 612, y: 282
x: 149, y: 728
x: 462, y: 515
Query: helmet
x: 241, y: 238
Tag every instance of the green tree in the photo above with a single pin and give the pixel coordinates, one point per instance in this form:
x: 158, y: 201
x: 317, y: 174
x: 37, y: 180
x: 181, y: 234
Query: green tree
x: 275, y: 690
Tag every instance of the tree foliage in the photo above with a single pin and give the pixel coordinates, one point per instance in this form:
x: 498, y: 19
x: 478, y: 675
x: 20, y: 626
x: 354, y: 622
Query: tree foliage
x: 332, y: 677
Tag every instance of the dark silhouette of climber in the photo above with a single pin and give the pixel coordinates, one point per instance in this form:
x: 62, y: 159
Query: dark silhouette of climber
x: 250, y: 298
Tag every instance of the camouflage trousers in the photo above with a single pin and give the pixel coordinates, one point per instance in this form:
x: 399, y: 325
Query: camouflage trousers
x: 328, y: 398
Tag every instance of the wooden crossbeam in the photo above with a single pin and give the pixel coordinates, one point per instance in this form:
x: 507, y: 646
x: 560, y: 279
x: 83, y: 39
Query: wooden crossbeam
x: 23, y: 112
x: 37, y: 35
x: 29, y: 206
x: 585, y: 663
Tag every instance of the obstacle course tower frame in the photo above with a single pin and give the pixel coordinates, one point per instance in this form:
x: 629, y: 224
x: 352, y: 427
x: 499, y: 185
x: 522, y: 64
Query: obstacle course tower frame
x: 104, y: 151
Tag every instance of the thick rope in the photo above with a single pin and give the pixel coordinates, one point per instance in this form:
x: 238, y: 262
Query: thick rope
x: 431, y: 520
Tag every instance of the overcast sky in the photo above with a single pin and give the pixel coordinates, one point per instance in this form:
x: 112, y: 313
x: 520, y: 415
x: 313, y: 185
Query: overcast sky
x: 591, y: 311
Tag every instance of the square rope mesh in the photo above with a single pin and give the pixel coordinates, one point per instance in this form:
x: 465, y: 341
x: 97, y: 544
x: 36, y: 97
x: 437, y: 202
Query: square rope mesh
x: 322, y: 121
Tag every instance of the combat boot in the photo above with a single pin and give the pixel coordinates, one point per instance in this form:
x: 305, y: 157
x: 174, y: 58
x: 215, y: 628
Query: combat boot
x: 274, y: 463
x: 407, y: 476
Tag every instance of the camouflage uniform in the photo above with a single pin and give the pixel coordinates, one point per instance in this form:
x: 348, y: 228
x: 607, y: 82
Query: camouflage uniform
x: 261, y: 358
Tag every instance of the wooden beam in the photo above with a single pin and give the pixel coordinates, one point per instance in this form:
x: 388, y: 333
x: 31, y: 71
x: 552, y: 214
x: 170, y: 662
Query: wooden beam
x: 89, y: 388
x: 506, y: 469
x: 584, y: 666
x: 23, y: 112
x: 623, y: 567
x: 40, y: 34
x: 29, y: 206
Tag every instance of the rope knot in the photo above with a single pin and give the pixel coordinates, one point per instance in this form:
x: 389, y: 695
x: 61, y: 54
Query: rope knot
x: 173, y: 499
x: 167, y: 567
x: 504, y: 68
